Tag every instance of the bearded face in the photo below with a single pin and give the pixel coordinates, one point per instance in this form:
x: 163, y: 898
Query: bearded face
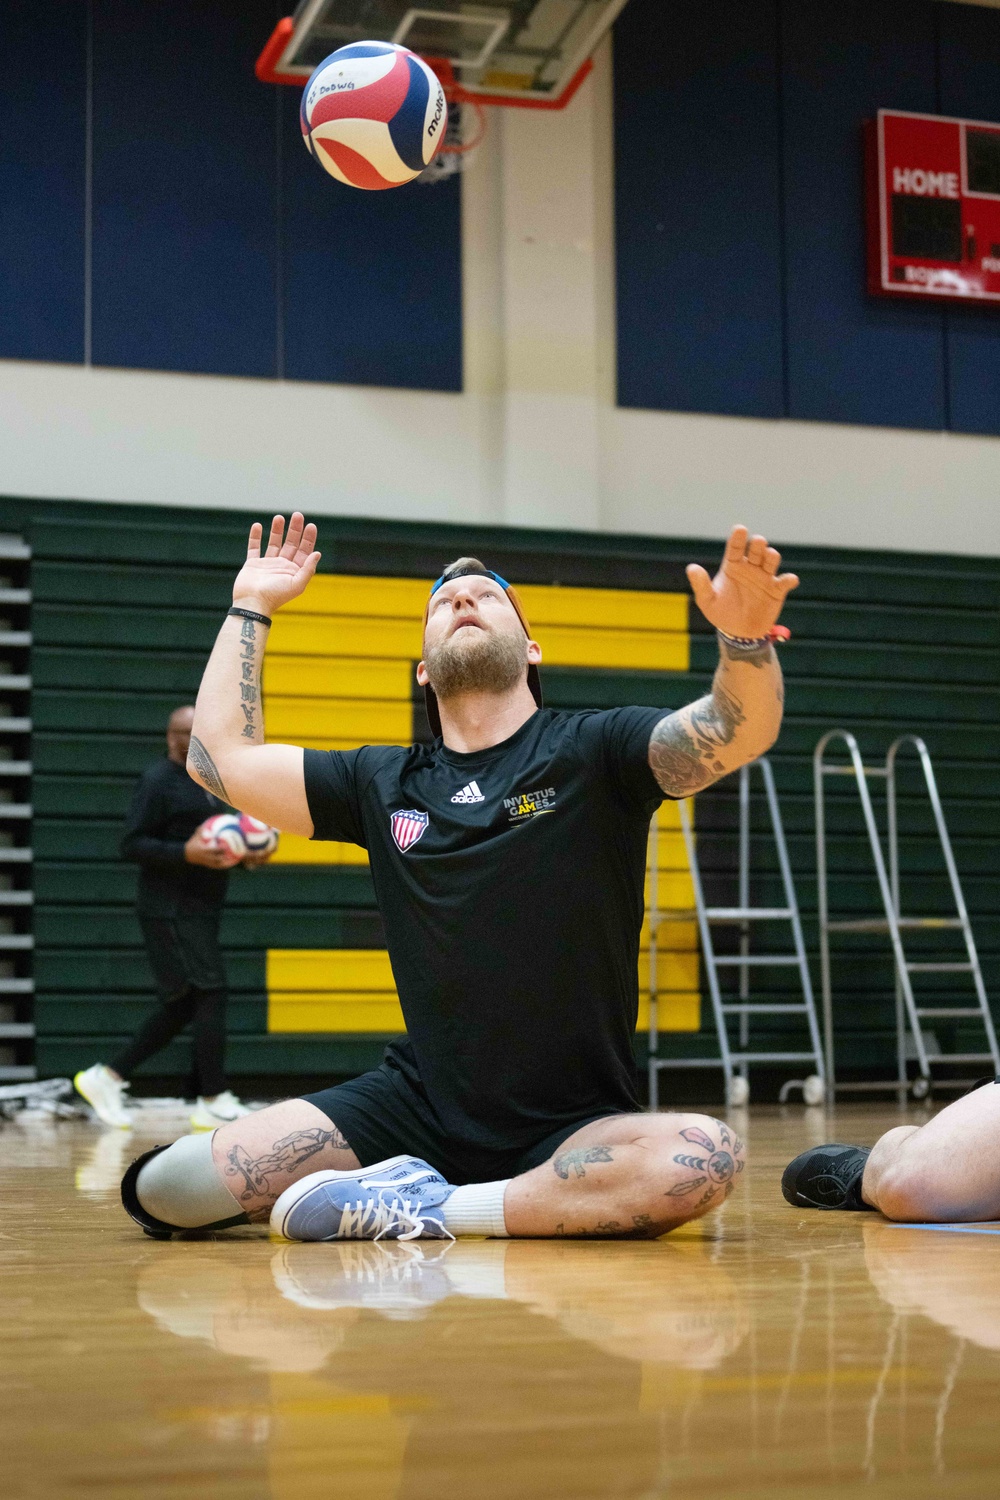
x: 477, y: 659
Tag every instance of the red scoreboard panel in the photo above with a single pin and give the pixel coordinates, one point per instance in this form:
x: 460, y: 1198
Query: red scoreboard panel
x: 933, y: 187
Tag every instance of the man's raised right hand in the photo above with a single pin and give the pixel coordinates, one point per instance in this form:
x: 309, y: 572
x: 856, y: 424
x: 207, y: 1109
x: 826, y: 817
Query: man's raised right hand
x: 266, y: 583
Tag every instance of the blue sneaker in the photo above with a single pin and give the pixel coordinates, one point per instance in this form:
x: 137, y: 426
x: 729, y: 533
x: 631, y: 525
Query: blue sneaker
x: 401, y: 1198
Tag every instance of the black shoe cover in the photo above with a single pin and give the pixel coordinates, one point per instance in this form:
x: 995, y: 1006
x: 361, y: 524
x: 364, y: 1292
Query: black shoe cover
x: 826, y: 1177
x: 150, y: 1225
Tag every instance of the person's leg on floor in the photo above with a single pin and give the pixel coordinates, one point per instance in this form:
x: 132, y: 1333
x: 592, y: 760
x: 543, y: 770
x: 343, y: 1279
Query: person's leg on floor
x: 947, y: 1170
x: 243, y: 1165
x: 637, y: 1175
x: 628, y: 1175
x: 623, y: 1176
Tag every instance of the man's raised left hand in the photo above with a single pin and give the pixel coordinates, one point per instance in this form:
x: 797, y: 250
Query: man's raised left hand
x: 746, y: 595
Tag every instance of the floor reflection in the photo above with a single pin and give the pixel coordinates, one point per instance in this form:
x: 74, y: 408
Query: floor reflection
x: 529, y: 1364
x: 673, y: 1307
x: 953, y: 1279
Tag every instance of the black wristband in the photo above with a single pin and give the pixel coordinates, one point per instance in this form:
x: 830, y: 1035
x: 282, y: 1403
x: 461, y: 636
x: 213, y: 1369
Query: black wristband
x: 250, y: 614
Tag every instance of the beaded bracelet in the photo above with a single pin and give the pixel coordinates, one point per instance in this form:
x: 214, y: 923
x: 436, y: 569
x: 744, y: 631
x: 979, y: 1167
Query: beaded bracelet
x: 249, y: 614
x: 755, y: 643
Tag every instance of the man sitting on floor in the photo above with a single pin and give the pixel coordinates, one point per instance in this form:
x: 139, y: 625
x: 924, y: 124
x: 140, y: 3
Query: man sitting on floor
x: 944, y: 1172
x: 508, y: 860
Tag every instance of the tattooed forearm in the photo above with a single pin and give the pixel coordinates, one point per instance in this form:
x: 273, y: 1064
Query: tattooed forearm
x: 734, y: 723
x: 578, y: 1159
x: 206, y: 769
x: 285, y: 1156
x: 249, y: 681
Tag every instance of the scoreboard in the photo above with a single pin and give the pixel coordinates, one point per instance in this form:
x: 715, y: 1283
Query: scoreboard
x: 933, y: 199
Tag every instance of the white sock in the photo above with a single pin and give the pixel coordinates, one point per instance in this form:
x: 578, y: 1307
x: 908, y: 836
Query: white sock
x: 477, y: 1209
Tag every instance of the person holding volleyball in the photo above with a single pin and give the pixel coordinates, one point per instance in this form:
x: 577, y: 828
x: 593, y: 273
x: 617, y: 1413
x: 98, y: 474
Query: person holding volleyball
x: 183, y: 879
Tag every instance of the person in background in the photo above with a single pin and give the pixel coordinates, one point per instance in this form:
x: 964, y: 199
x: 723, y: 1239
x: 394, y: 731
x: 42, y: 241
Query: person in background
x: 182, y: 890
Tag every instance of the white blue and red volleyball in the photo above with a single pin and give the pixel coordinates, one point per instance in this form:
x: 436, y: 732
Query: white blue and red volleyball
x: 373, y: 115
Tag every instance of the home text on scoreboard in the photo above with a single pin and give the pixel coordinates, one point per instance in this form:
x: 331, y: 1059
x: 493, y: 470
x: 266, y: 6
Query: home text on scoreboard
x: 933, y: 197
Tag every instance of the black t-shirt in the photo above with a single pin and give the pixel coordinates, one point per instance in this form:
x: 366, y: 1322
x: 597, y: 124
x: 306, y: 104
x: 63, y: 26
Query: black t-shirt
x: 167, y: 807
x: 510, y: 883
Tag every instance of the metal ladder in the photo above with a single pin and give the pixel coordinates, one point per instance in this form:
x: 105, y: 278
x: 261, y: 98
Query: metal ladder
x: 735, y: 1064
x: 909, y: 1014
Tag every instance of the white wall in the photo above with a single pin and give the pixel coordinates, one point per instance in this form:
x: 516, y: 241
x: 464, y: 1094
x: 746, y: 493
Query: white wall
x: 535, y: 439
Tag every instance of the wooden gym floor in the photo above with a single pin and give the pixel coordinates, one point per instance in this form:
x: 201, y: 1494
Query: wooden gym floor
x: 762, y: 1352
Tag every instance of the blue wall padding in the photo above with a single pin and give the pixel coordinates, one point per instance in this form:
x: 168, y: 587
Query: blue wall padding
x: 185, y: 207
x: 738, y: 160
x: 372, y: 280
x: 42, y: 145
x: 851, y: 358
x: 970, y: 86
x: 698, y: 213
x: 218, y: 247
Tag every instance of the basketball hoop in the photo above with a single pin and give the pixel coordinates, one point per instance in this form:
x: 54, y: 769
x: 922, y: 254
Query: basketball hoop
x: 522, y: 54
x: 525, y: 54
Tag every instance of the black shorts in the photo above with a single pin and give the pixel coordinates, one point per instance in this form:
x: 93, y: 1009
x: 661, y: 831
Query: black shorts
x: 381, y: 1116
x: 184, y: 953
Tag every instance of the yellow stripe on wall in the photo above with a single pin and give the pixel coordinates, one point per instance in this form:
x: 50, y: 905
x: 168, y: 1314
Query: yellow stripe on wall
x: 362, y: 594
x: 352, y: 989
x: 366, y: 723
x: 329, y: 969
x: 337, y: 677
x: 562, y: 645
x: 345, y: 635
x: 293, y: 849
x: 322, y: 1012
x: 332, y: 1011
x: 614, y: 609
x: 380, y: 618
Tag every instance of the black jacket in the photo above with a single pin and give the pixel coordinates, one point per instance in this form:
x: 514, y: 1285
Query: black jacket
x: 167, y: 807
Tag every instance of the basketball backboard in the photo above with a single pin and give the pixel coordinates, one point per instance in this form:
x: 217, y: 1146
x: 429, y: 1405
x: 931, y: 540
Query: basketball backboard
x: 531, y: 53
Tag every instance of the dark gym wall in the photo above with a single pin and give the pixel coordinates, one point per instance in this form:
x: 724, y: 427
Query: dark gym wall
x: 881, y: 643
x: 739, y: 210
x: 159, y: 211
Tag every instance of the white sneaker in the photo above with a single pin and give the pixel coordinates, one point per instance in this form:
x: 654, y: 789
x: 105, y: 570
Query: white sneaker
x: 105, y: 1095
x: 223, y: 1108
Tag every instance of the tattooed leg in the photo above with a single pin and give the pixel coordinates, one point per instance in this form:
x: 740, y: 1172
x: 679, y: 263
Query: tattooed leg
x: 261, y: 1154
x: 628, y: 1177
x: 287, y: 1156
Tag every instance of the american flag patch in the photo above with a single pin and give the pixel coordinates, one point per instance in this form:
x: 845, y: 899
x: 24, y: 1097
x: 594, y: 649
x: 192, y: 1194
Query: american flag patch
x: 407, y: 828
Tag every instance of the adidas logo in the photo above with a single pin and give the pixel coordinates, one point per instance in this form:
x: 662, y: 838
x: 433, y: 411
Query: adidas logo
x: 470, y: 793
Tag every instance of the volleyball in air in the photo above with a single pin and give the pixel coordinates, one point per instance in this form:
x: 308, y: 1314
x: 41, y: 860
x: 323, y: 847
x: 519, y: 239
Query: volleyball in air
x: 373, y: 115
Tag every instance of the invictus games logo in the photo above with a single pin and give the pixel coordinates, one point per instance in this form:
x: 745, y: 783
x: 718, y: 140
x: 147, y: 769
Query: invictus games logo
x: 529, y: 804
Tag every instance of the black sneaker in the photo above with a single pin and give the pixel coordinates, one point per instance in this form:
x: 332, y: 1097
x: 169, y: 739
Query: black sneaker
x: 826, y: 1177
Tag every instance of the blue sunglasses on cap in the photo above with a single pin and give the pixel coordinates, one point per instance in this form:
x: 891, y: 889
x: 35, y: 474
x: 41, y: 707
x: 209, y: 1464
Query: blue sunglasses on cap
x: 486, y: 573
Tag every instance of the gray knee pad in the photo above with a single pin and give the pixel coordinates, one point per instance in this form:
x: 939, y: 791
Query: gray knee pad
x: 179, y: 1187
